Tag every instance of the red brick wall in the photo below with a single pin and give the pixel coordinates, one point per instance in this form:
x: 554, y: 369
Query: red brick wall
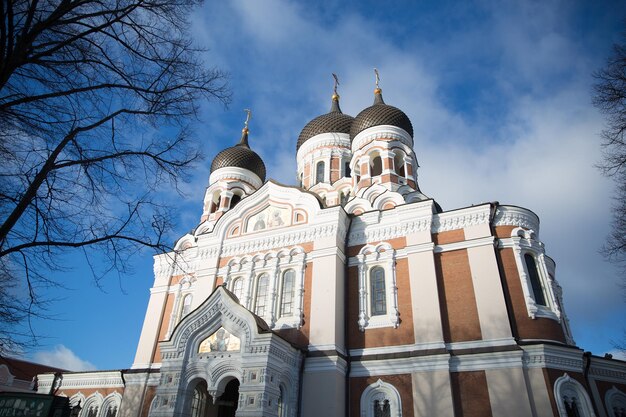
x: 459, y: 313
x: 470, y: 394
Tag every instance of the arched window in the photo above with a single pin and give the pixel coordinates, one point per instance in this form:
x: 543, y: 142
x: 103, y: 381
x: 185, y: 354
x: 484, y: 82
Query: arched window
x: 111, y: 411
x: 199, y: 400
x: 287, y: 293
x: 186, y: 305
x: 376, y: 166
x: 378, y: 295
x: 236, y: 198
x: 382, y: 408
x: 261, y: 295
x: 238, y: 288
x: 535, y: 281
x: 281, y: 402
x: 381, y: 399
x: 615, y: 401
x: 319, y: 172
x: 398, y: 162
x: 92, y: 406
x: 92, y: 411
x: 571, y: 397
x: 346, y: 169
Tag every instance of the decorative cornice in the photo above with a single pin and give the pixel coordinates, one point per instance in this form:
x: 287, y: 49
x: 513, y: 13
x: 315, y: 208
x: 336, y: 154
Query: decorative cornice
x: 324, y: 140
x: 385, y: 232
x: 545, y: 356
x: 235, y: 172
x: 309, y: 233
x: 516, y: 216
x: 460, y: 219
x: 381, y: 132
x: 82, y: 380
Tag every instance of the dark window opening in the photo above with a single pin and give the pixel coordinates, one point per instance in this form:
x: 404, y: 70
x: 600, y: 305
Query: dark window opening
x: 376, y: 166
x: 378, y: 294
x: 234, y: 200
x: 535, y: 281
x: 319, y: 172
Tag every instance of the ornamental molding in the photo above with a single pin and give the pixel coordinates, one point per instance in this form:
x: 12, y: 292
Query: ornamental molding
x: 381, y: 132
x: 612, y: 374
x: 388, y: 231
x: 83, y: 380
x: 235, y: 172
x: 516, y: 216
x: 273, y: 241
x: 323, y: 140
x: 565, y: 359
x: 460, y: 219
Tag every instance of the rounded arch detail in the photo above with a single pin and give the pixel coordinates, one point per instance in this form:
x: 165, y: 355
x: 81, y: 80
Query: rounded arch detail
x: 380, y: 395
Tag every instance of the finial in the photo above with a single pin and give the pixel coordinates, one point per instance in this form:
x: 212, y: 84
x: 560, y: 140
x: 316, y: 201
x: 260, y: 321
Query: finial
x: 248, y: 117
x: 378, y: 90
x: 335, y: 95
x: 244, y: 131
x: 335, y: 104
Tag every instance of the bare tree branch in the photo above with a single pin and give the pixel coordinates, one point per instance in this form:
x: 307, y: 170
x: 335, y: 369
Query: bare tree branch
x: 96, y: 101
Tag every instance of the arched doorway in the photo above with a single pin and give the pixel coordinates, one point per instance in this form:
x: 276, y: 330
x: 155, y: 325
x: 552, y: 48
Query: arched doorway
x: 228, y: 401
x: 202, y: 404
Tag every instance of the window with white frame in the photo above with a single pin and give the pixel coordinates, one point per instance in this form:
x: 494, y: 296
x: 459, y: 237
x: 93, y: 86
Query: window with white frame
x: 260, y: 298
x: 111, y: 405
x: 571, y: 398
x: 615, y: 401
x: 283, y: 285
x: 398, y: 163
x: 538, y: 285
x: 378, y: 294
x: 237, y: 288
x: 533, y: 278
x: 376, y: 165
x: 92, y: 405
x: 320, y: 168
x: 381, y: 399
x: 287, y: 292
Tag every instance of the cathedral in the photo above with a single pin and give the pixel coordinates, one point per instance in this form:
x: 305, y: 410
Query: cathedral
x: 351, y: 294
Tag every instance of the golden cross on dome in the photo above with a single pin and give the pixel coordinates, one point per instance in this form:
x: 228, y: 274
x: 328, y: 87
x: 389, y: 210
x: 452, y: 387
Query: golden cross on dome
x: 377, y: 77
x: 336, y: 83
x: 248, y: 117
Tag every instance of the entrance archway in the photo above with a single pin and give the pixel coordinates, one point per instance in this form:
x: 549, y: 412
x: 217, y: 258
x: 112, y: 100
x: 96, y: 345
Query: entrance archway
x: 227, y: 403
x: 203, y: 405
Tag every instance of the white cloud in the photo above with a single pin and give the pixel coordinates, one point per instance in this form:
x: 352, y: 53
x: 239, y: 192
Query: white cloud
x: 63, y: 358
x: 526, y: 136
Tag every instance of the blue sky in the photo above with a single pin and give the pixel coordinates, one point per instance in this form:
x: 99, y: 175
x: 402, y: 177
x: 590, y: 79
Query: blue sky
x: 499, y: 94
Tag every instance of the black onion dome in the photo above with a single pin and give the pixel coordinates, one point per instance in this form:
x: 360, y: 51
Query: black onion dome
x: 332, y: 122
x: 380, y: 114
x: 240, y: 156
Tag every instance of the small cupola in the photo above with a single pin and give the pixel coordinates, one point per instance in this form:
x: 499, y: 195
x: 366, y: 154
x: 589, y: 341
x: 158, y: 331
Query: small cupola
x: 323, y: 150
x: 240, y: 156
x: 380, y: 114
x: 236, y: 172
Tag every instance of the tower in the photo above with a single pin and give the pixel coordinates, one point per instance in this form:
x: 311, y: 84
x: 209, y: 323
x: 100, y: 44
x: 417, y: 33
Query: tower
x: 323, y: 155
x: 236, y: 172
x: 383, y: 164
